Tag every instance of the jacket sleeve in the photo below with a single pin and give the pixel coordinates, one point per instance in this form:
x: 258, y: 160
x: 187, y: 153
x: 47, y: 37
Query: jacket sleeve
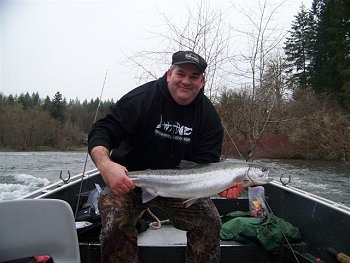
x: 208, y: 148
x: 120, y: 122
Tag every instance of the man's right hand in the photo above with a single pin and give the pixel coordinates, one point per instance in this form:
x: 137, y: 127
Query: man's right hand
x: 114, y: 175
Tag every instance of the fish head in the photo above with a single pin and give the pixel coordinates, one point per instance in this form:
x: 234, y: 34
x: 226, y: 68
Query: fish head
x: 258, y: 175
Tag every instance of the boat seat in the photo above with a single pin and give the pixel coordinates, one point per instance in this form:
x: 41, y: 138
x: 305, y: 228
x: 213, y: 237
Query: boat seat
x: 37, y: 227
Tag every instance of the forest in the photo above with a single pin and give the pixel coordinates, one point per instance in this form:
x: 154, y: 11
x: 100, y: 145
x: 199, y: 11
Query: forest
x: 295, y: 105
x: 29, y: 122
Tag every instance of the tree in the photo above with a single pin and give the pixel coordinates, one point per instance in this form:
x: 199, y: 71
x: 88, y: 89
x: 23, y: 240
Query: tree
x: 275, y: 88
x: 25, y: 100
x: 68, y: 135
x: 36, y: 101
x: 24, y: 129
x: 298, y: 48
x: 27, y: 123
x: 320, y: 129
x: 331, y: 60
x: 47, y: 104
x: 57, y: 108
x: 202, y: 30
x: 260, y: 97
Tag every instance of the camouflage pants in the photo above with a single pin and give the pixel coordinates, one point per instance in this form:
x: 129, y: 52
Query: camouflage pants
x: 119, y: 216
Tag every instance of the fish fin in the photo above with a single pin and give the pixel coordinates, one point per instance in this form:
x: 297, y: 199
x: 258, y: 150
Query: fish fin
x: 184, y: 164
x: 147, y: 196
x: 190, y: 202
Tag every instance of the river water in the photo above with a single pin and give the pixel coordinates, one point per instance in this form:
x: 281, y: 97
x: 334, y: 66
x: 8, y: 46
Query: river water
x: 24, y: 172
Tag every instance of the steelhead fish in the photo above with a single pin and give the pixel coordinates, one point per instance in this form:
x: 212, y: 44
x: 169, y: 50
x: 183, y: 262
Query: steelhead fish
x: 198, y: 182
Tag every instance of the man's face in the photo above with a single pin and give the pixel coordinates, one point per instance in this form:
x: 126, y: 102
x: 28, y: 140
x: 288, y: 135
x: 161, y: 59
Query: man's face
x: 184, y: 83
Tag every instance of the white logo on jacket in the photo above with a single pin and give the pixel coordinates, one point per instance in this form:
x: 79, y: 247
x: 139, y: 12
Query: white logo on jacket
x: 173, y: 130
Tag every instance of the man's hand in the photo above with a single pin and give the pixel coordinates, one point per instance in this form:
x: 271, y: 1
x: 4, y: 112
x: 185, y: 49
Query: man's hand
x: 233, y: 192
x: 116, y: 178
x: 114, y: 175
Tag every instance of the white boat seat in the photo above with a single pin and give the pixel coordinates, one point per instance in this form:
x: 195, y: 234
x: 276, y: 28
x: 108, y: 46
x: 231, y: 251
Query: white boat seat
x: 37, y: 227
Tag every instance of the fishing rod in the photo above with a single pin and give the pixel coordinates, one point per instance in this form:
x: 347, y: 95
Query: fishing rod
x: 231, y: 139
x: 87, y: 153
x: 281, y: 229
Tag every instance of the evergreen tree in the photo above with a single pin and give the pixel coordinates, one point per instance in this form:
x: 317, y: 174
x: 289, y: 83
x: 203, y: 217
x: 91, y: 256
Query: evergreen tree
x: 47, y: 104
x: 35, y: 99
x: 58, y: 106
x: 25, y: 100
x: 11, y: 99
x: 298, y: 49
x: 331, y: 59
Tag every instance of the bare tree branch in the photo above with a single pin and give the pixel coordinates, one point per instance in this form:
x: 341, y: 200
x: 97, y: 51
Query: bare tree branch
x: 203, y: 31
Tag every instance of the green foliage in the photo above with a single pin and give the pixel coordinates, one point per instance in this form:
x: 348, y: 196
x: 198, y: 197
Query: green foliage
x: 298, y: 49
x: 319, y: 47
x: 57, y: 107
x: 29, y: 122
x: 331, y: 63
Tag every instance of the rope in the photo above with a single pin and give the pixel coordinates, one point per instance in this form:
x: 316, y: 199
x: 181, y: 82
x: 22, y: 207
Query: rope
x: 158, y: 223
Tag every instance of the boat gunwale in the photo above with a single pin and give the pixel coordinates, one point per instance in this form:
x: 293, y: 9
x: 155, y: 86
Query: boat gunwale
x: 59, y: 186
x: 318, y: 199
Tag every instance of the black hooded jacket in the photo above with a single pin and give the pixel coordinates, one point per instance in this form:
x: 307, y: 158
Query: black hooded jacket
x: 146, y: 129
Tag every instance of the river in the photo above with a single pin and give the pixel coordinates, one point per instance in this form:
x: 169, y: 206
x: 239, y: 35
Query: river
x: 24, y: 172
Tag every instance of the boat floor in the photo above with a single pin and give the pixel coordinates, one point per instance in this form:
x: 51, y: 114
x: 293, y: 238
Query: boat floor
x: 168, y: 235
x: 170, y: 243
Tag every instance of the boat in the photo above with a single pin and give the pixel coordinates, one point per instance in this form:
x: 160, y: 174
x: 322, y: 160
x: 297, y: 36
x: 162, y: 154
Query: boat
x: 324, y: 226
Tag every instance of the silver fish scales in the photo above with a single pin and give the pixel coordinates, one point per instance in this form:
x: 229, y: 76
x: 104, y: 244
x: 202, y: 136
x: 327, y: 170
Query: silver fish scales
x: 198, y: 182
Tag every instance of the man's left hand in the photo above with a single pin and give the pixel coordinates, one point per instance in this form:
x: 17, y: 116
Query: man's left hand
x: 233, y: 192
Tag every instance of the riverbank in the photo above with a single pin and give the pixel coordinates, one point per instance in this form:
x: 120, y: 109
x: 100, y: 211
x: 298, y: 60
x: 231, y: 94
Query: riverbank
x: 260, y: 154
x: 47, y: 149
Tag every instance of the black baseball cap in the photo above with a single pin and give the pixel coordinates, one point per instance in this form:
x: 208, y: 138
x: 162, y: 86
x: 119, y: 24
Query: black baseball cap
x: 189, y: 57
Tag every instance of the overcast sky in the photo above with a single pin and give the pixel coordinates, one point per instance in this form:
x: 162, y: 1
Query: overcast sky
x: 67, y: 46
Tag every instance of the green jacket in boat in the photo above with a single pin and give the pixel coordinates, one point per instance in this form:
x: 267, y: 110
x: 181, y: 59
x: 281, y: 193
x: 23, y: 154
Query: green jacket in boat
x: 266, y: 231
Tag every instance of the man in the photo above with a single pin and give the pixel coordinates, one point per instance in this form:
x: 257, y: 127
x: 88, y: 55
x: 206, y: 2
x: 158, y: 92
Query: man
x: 155, y: 126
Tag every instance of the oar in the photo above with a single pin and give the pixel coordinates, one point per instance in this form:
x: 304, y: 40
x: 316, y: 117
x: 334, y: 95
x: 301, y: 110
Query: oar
x: 341, y: 257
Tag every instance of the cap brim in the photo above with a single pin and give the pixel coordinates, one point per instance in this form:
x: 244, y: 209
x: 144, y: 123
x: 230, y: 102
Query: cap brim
x: 189, y: 62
